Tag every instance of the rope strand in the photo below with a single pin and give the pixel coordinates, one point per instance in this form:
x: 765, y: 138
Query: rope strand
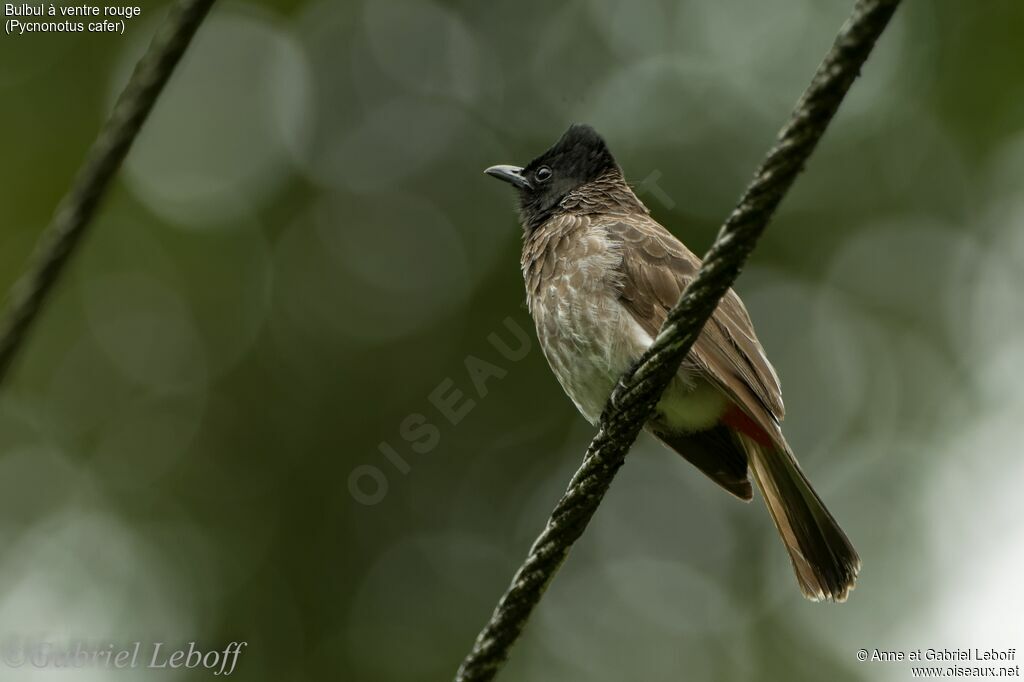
x: 636, y: 394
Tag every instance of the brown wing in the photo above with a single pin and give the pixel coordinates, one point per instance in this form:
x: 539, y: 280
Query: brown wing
x: 655, y: 269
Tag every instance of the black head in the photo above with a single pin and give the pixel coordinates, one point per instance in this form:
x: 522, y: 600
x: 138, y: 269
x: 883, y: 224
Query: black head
x: 579, y: 157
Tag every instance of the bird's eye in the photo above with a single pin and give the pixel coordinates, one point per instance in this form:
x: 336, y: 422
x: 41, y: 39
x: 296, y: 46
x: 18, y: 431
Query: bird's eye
x: 543, y: 174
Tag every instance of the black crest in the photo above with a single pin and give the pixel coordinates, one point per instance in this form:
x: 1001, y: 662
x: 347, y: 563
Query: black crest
x: 580, y: 156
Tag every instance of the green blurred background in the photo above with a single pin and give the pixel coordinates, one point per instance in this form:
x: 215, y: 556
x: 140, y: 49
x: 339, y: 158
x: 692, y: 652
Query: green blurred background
x: 302, y: 247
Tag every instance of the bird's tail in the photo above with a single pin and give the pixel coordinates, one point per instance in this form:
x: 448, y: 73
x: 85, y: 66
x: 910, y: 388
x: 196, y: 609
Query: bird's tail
x: 825, y: 562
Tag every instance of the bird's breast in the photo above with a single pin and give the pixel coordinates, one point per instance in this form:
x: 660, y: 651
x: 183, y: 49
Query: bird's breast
x: 587, y: 336
x: 590, y: 339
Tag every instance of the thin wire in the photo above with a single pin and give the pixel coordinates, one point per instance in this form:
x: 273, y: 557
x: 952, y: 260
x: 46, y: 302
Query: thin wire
x: 74, y: 213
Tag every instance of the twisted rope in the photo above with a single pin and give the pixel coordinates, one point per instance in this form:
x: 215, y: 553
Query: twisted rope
x: 636, y: 394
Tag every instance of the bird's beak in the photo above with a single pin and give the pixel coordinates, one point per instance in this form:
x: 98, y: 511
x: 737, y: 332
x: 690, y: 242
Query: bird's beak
x: 510, y: 174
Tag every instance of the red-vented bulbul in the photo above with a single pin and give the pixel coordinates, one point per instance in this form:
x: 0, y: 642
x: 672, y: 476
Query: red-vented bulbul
x: 601, y: 276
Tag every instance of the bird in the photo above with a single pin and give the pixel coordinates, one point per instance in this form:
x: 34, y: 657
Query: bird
x: 601, y: 275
